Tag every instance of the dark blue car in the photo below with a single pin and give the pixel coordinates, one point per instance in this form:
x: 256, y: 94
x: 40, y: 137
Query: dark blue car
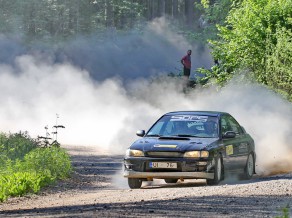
x: 190, y: 145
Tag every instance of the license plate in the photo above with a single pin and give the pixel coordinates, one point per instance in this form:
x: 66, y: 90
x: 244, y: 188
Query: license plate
x: 163, y: 165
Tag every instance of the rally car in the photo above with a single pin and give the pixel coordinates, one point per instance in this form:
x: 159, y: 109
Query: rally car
x: 190, y: 145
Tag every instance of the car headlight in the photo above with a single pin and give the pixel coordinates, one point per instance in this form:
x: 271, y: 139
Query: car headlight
x: 192, y: 154
x: 196, y: 154
x: 204, y: 153
x: 134, y: 153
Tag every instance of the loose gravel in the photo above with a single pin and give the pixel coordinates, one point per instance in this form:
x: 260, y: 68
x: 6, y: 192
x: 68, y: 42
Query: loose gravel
x: 97, y: 189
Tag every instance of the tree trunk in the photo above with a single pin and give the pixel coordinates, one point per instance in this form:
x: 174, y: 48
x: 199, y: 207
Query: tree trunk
x: 175, y: 8
x: 161, y: 7
x: 189, y: 12
x: 168, y: 7
x: 108, y: 13
x: 149, y: 9
x: 154, y: 8
x: 197, y: 15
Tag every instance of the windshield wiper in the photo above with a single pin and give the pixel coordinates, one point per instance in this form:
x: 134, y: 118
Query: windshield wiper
x: 153, y: 135
x: 184, y: 135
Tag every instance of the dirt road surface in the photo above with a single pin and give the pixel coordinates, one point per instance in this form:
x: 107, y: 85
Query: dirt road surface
x: 97, y: 189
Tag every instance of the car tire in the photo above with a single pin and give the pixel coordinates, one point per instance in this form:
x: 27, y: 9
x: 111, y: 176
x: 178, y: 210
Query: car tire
x: 249, y: 167
x: 171, y: 180
x: 134, y: 183
x: 218, y: 172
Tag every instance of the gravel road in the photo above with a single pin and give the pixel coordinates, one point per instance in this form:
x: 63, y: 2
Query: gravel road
x: 97, y: 189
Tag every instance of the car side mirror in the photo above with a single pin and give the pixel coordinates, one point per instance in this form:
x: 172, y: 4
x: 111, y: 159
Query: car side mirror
x: 229, y: 135
x: 140, y: 133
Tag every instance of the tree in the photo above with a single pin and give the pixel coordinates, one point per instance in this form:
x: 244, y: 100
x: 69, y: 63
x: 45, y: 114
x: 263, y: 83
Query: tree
x: 254, y: 32
x: 58, y: 20
x: 189, y: 11
x: 279, y: 62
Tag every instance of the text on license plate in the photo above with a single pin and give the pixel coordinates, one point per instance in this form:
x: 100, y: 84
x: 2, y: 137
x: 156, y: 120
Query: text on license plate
x: 162, y: 165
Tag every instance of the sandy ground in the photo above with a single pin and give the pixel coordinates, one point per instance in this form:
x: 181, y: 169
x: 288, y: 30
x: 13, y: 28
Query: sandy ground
x: 97, y: 189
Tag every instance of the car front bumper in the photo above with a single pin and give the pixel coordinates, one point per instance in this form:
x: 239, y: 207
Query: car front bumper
x: 186, y: 168
x: 166, y: 175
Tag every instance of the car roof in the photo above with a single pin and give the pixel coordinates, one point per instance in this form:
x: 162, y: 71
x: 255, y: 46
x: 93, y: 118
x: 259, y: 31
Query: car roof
x: 206, y: 113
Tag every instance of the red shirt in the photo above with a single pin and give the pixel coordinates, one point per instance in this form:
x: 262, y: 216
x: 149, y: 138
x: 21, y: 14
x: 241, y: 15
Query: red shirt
x: 187, y: 61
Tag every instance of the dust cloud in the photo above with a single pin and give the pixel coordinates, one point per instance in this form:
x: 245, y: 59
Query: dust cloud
x: 102, y: 104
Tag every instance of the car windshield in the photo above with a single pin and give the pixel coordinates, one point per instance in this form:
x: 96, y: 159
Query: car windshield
x: 185, y: 126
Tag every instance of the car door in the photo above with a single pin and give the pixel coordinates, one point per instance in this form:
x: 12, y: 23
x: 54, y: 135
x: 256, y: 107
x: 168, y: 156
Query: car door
x: 236, y: 149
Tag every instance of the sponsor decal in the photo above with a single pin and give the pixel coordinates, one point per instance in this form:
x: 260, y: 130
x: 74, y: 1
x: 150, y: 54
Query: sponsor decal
x: 242, y: 148
x: 229, y: 149
x: 189, y: 118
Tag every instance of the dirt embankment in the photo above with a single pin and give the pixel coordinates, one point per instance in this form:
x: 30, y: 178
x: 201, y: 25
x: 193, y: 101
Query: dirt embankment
x: 97, y: 189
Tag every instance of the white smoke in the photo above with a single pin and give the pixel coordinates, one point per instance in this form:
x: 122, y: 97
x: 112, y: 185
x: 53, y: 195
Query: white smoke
x: 107, y: 113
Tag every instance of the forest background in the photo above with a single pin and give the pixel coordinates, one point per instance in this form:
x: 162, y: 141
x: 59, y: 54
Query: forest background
x: 247, y: 37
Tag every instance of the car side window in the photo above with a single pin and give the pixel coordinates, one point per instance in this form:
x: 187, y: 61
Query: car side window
x: 228, y: 123
x: 234, y: 126
x: 225, y: 125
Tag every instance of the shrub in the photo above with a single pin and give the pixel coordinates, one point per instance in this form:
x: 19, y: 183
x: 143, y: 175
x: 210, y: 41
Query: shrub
x: 26, y: 168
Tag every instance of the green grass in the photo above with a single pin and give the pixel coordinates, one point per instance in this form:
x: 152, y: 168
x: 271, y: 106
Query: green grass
x: 285, y: 212
x: 26, y: 168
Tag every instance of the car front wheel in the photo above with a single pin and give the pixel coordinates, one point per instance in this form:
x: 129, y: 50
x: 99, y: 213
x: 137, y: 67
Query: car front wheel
x: 134, y: 183
x: 249, y: 167
x: 218, y: 172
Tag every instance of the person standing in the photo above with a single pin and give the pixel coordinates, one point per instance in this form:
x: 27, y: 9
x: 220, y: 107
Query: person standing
x: 187, y: 63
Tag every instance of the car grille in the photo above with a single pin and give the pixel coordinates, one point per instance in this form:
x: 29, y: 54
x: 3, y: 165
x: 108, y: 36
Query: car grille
x: 164, y: 154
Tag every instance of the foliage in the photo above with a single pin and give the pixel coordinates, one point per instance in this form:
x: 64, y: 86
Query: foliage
x: 257, y: 37
x: 53, y: 159
x: 20, y: 183
x: 217, y: 11
x: 213, y: 13
x: 279, y: 62
x: 15, y: 145
x: 26, y: 168
x: 54, y: 20
x: 215, y: 75
x: 48, y: 20
x: 285, y: 211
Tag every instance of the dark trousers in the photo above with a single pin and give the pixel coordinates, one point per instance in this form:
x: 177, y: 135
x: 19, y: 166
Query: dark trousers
x: 187, y: 72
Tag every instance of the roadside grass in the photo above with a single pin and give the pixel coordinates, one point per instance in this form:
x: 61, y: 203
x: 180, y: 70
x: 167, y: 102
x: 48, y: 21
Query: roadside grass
x: 26, y: 168
x: 285, y: 212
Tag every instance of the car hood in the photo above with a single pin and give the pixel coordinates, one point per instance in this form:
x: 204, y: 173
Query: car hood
x: 172, y: 144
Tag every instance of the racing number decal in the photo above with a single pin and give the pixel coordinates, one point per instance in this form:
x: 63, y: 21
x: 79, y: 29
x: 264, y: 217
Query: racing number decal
x: 229, y: 149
